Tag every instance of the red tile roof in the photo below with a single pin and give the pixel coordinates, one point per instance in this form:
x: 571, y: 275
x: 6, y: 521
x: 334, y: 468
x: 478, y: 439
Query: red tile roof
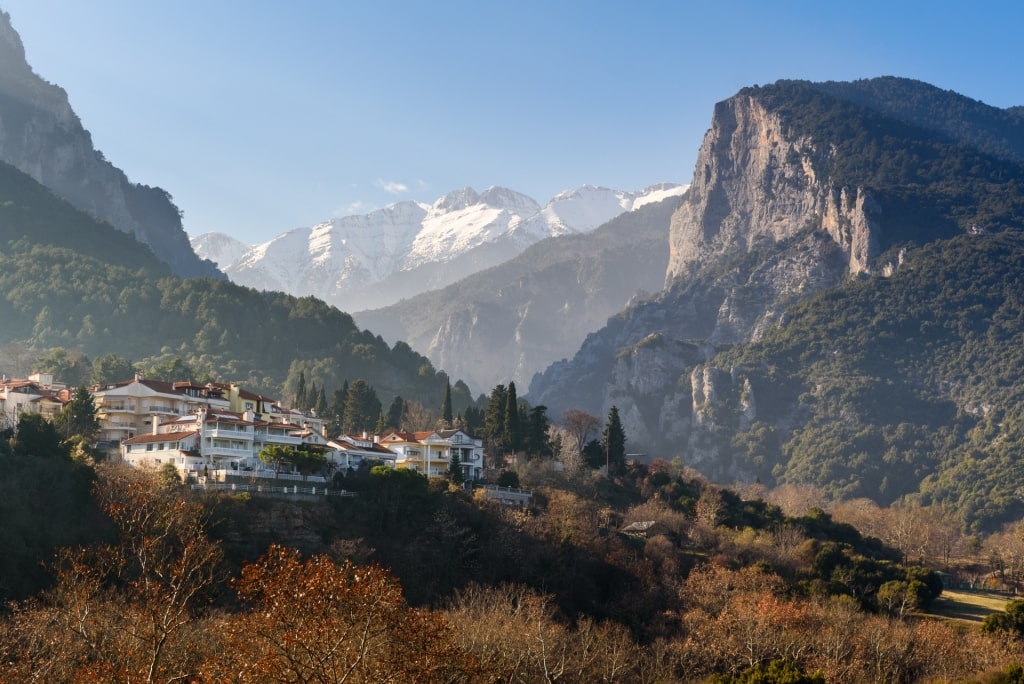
x: 162, y: 437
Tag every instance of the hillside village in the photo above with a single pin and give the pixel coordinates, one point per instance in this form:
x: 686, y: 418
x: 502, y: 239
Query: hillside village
x: 217, y: 431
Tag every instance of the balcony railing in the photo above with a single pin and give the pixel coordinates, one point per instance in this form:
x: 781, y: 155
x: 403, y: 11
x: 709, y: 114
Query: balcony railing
x: 231, y: 433
x: 230, y: 452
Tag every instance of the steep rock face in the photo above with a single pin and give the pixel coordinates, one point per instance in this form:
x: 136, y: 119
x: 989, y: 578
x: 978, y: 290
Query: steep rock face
x: 753, y: 185
x: 758, y: 231
x: 42, y: 136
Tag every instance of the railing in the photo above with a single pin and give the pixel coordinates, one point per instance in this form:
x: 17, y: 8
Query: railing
x: 230, y: 432
x: 271, y: 489
x: 264, y: 438
x: 220, y: 453
x: 507, y: 495
x: 264, y: 474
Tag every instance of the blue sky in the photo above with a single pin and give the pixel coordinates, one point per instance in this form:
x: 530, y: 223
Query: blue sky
x: 260, y: 116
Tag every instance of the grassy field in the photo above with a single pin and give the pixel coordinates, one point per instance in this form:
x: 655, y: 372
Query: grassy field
x: 967, y: 606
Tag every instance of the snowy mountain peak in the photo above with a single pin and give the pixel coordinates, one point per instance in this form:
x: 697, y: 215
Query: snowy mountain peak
x: 219, y: 248
x: 456, y: 200
x: 503, y: 198
x: 372, y: 260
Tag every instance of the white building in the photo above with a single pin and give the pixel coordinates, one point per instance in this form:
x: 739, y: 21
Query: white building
x: 431, y: 452
x: 37, y: 394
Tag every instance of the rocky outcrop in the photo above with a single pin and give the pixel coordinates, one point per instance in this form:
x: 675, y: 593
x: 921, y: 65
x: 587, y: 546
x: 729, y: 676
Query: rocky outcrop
x: 753, y: 185
x: 759, y: 230
x: 42, y: 136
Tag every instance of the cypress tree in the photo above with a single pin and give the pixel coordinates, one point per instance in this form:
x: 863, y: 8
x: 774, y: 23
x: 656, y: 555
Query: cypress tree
x: 513, y: 432
x: 494, y: 420
x: 396, y: 413
x: 536, y: 442
x: 614, y: 441
x: 300, y: 391
x: 446, y: 404
x: 79, y: 416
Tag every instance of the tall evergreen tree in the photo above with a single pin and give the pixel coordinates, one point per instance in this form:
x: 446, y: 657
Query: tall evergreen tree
x: 79, y: 416
x: 535, y: 441
x: 320, y: 405
x: 300, y: 392
x: 474, y: 421
x: 455, y: 473
x: 613, y: 441
x: 494, y: 421
x: 395, y: 417
x: 513, y: 432
x: 362, y: 408
x: 446, y: 404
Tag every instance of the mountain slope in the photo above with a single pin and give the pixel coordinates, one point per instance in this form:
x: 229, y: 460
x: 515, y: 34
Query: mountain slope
x: 373, y: 260
x: 68, y: 280
x: 915, y: 389
x: 796, y: 191
x: 503, y: 323
x: 41, y: 135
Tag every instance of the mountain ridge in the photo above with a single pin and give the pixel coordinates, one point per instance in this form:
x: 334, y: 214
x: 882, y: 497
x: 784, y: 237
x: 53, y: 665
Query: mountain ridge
x: 372, y: 260
x: 41, y: 135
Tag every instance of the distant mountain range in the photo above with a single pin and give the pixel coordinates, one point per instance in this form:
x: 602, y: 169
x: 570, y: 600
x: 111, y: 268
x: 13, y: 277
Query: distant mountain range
x: 408, y: 248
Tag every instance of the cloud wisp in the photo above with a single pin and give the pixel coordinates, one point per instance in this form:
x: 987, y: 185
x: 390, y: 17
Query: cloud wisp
x: 392, y: 187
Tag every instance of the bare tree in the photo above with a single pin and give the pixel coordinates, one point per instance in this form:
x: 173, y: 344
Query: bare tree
x: 580, y: 425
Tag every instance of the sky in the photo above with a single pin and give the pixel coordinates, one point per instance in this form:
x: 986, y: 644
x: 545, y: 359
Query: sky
x: 261, y: 116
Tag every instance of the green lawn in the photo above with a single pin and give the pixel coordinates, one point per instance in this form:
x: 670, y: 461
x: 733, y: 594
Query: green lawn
x: 968, y: 606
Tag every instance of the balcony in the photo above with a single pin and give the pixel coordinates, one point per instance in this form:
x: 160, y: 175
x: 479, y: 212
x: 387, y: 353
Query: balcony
x: 230, y: 433
x: 226, y: 452
x: 119, y: 427
x: 161, y: 409
x: 278, y: 439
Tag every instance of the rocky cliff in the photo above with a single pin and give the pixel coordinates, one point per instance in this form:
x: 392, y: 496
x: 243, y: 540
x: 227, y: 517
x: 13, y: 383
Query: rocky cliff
x: 787, y: 200
x: 755, y: 184
x: 41, y: 136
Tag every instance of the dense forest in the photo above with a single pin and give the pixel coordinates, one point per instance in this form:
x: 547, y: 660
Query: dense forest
x: 72, y: 283
x: 888, y: 387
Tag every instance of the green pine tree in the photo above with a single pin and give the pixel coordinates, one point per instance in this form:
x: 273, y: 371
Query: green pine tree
x: 455, y: 473
x: 613, y: 441
x: 446, y: 404
x: 79, y: 417
x: 300, y: 392
x: 513, y: 432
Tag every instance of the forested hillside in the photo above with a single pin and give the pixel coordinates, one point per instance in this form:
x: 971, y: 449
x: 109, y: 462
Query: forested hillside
x: 888, y: 387
x: 69, y: 281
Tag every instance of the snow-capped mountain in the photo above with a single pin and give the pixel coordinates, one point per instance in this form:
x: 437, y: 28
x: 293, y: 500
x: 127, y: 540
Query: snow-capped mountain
x: 373, y: 260
x: 219, y: 248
